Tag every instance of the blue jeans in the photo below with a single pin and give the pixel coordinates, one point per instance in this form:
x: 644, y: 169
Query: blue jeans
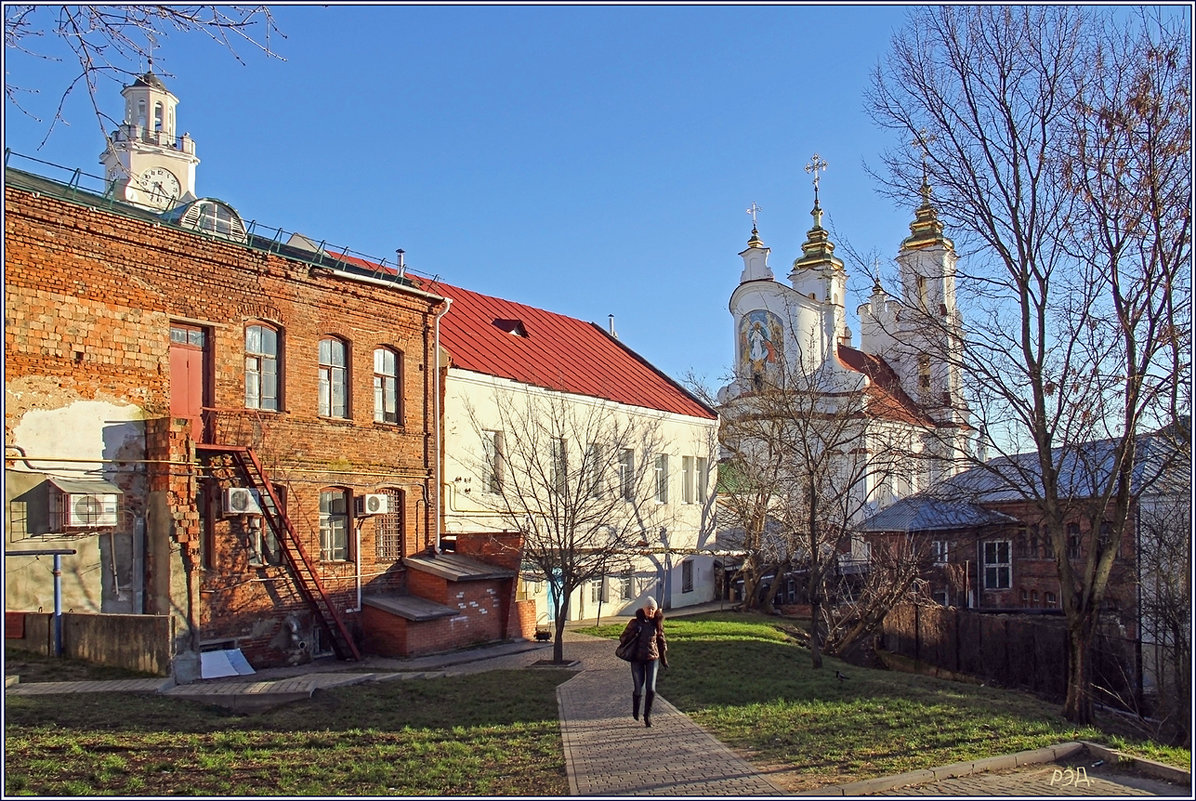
x: 643, y: 676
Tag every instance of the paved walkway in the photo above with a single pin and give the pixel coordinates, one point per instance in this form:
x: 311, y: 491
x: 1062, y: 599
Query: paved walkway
x: 607, y: 753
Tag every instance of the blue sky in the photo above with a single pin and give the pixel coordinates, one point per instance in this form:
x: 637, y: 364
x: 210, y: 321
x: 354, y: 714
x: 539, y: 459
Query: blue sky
x: 589, y: 160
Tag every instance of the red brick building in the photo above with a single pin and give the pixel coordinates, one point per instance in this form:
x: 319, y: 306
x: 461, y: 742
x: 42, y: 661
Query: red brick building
x: 236, y: 432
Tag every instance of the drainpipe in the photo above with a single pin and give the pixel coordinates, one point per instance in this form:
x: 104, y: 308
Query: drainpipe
x: 436, y: 389
x: 57, y: 604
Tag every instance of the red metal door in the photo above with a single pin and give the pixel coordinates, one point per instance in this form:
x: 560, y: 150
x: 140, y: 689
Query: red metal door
x: 188, y: 376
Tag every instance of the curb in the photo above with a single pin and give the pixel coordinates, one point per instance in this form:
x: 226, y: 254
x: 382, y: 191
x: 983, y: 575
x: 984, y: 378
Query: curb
x: 1037, y: 756
x: 1004, y: 762
x: 1148, y: 766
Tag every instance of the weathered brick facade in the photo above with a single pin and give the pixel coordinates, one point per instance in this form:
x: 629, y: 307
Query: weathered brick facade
x: 91, y: 297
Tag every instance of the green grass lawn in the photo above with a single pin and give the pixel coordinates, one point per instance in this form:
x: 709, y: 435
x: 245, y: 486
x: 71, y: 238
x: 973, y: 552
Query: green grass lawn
x: 497, y: 733
x: 493, y: 733
x: 751, y: 685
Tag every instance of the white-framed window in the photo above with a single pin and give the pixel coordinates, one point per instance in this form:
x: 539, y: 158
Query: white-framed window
x: 598, y: 590
x: 261, y: 367
x: 1048, y: 600
x: 940, y: 597
x: 940, y: 551
x: 626, y: 587
x: 334, y: 525
x: 998, y: 569
x: 560, y: 465
x: 687, y: 479
x: 593, y: 467
x: 264, y: 546
x: 334, y: 379
x: 493, y: 447
x: 662, y: 478
x: 702, y: 470
x: 387, y: 365
x: 687, y: 576
x: 627, y: 474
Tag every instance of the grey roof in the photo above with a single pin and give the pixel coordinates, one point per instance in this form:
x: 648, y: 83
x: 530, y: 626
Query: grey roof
x: 1084, y: 470
x: 409, y: 607
x: 455, y: 567
x: 924, y: 513
x: 151, y: 80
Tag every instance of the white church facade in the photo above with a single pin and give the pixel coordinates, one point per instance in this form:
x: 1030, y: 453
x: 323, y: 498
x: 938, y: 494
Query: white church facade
x: 901, y: 385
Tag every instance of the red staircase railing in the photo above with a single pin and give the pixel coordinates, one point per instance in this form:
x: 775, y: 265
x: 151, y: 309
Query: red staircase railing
x: 307, y: 578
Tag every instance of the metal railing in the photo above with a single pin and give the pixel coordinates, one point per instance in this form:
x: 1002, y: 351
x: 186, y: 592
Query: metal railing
x: 77, y: 186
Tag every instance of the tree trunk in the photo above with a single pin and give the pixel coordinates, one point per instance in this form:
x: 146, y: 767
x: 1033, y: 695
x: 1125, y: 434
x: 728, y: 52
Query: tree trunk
x: 815, y: 632
x: 1077, y: 708
x: 558, y: 643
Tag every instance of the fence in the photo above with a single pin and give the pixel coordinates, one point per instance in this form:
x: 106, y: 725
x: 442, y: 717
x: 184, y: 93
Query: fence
x: 1007, y: 649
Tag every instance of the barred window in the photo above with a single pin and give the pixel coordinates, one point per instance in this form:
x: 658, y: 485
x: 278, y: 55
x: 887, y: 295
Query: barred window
x: 389, y: 527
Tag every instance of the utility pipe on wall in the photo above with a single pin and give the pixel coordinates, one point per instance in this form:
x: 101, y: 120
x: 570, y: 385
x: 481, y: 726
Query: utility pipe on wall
x: 57, y: 553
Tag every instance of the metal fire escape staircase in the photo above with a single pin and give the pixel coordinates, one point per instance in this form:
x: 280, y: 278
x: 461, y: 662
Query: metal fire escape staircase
x: 307, y: 579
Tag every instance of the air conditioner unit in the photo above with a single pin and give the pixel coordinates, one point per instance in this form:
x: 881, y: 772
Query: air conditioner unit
x: 241, y: 501
x: 89, y: 510
x: 376, y: 504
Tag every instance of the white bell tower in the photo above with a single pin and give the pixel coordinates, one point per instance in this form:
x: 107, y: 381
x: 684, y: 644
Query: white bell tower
x: 145, y: 163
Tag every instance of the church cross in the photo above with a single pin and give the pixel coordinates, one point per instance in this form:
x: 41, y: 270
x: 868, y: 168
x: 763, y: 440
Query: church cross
x: 815, y: 166
x: 923, y: 140
x: 752, y: 210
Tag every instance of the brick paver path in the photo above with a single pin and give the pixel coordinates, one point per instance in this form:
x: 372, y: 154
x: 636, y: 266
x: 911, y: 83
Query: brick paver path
x: 609, y: 753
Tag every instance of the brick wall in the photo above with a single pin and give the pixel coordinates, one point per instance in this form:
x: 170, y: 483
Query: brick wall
x: 90, y: 297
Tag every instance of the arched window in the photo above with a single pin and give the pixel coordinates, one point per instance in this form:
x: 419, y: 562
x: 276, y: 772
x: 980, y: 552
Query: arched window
x: 334, y: 378
x: 261, y: 368
x: 157, y: 116
x: 334, y: 525
x: 387, y: 369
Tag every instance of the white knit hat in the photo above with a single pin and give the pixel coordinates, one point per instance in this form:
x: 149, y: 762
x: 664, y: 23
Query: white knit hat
x: 650, y: 602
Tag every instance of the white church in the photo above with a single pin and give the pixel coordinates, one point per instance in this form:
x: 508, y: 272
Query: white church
x: 905, y: 371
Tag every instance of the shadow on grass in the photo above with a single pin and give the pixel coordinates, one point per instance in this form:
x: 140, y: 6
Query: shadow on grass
x: 494, y: 698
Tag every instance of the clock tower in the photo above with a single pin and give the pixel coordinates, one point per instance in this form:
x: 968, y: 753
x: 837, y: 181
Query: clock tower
x: 145, y: 163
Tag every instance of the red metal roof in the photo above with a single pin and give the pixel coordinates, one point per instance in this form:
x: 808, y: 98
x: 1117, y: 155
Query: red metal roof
x: 887, y: 400
x: 506, y: 339
x: 503, y: 338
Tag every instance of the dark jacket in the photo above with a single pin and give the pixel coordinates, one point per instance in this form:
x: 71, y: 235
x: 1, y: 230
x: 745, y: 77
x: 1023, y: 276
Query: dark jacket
x: 649, y: 636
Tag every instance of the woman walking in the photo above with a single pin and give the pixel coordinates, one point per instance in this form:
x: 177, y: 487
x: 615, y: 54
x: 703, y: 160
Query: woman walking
x: 647, y: 630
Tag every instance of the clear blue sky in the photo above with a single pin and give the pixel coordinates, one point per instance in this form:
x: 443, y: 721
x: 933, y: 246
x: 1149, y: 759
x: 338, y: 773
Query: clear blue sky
x: 589, y: 160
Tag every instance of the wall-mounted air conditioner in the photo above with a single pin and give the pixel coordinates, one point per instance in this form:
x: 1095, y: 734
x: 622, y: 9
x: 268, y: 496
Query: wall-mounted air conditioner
x: 374, y: 504
x: 241, y: 501
x: 88, y: 509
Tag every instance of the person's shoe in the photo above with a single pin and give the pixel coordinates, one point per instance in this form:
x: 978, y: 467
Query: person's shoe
x: 635, y: 706
x: 648, y: 709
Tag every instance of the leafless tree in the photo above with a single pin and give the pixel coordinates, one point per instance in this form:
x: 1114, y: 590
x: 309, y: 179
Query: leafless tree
x: 576, y: 478
x: 118, y: 41
x: 1165, y: 569
x: 1057, y: 140
x: 815, y: 451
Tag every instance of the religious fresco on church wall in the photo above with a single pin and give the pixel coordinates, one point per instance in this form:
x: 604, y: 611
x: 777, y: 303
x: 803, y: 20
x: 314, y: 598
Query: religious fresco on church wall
x: 760, y: 344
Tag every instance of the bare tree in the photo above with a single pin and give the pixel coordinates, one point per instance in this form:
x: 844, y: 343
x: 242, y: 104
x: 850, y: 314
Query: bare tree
x: 1057, y: 141
x: 575, y: 477
x: 1165, y: 571
x: 817, y: 450
x: 118, y: 41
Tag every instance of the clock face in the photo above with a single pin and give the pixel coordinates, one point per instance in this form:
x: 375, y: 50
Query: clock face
x: 160, y: 186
